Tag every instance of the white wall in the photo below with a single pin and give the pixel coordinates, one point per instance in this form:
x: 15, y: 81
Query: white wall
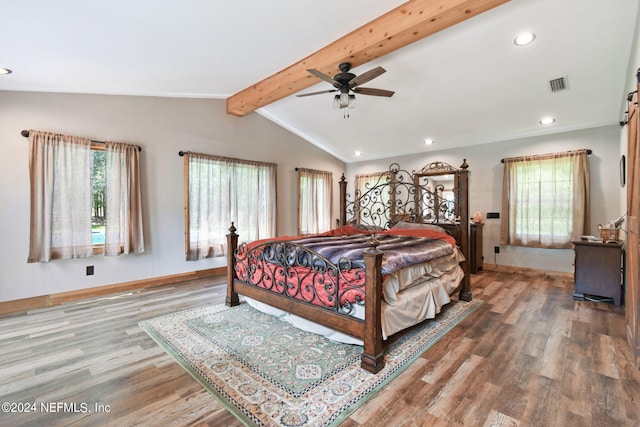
x: 162, y: 126
x: 485, y: 185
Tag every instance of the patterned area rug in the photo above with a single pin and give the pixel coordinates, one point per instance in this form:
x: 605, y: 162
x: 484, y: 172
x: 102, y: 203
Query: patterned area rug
x: 268, y: 373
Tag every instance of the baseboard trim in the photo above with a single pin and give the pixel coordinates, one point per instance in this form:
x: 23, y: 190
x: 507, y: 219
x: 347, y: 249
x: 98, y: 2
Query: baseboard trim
x: 527, y: 271
x: 26, y: 304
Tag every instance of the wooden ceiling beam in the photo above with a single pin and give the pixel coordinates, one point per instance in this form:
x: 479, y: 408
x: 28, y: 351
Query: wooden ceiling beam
x: 399, y: 27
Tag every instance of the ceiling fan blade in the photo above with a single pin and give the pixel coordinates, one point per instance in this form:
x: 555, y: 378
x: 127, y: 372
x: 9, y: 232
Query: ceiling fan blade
x: 372, y: 91
x: 324, y: 77
x: 365, y: 77
x: 317, y: 93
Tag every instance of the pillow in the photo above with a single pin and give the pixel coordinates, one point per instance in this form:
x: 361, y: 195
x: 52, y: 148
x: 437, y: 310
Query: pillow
x: 410, y: 225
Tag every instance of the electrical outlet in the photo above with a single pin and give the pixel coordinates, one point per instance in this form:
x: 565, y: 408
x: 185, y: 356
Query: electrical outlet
x: 89, y: 270
x: 496, y: 249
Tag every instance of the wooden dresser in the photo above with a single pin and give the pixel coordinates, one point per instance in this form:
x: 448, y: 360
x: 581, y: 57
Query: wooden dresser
x: 598, y: 270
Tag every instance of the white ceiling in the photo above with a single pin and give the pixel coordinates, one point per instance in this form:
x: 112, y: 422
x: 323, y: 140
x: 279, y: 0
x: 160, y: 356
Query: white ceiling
x: 463, y: 86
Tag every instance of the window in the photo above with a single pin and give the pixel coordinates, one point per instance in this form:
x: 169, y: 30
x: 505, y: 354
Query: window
x: 220, y: 190
x: 61, y: 170
x: 373, y: 202
x: 364, y: 182
x: 314, y: 201
x: 545, y: 199
x: 98, y: 195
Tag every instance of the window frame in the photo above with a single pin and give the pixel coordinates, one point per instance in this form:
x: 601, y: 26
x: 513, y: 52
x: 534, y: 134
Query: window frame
x: 61, y: 172
x: 552, y: 207
x: 266, y: 230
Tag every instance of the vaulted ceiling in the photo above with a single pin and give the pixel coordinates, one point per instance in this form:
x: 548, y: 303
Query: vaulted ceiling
x: 457, y: 75
x: 396, y: 29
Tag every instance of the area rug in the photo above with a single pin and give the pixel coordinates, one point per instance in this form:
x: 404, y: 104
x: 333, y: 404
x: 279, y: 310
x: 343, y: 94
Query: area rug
x: 268, y: 373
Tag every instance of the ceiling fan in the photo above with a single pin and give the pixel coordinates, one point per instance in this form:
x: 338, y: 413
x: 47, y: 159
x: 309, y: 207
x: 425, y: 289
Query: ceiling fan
x: 346, y: 82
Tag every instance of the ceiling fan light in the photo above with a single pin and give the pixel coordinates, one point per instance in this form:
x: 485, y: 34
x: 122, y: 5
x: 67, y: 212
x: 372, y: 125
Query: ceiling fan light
x: 336, y: 101
x: 344, y: 100
x: 352, y: 101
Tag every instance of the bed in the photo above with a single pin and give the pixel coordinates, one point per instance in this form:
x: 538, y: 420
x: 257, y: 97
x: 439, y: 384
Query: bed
x: 400, y: 251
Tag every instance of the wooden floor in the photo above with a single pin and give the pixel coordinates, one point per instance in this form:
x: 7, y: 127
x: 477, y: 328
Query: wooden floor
x: 530, y: 356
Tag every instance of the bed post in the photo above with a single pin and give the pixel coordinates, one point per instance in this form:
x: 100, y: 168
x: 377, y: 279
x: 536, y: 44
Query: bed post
x: 343, y: 200
x: 232, y: 244
x: 463, y: 198
x: 372, y: 358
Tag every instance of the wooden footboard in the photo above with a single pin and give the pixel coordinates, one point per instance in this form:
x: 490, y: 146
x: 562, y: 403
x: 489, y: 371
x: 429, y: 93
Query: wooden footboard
x: 297, y: 263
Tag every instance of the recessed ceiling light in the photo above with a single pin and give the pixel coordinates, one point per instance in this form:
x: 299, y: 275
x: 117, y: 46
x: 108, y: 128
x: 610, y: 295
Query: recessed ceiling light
x: 357, y: 153
x: 429, y: 141
x: 547, y: 121
x: 524, y: 39
x: 5, y: 71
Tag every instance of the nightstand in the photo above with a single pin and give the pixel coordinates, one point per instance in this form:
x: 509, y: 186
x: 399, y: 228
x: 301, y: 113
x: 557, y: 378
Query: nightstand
x: 598, y: 270
x: 475, y: 243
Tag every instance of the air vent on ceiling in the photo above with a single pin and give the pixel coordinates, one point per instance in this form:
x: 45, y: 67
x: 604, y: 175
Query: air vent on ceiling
x: 558, y: 84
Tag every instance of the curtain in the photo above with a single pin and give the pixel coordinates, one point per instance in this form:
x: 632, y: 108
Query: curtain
x: 219, y: 190
x: 545, y: 199
x: 365, y: 182
x: 60, y: 178
x: 314, y: 201
x: 123, y: 230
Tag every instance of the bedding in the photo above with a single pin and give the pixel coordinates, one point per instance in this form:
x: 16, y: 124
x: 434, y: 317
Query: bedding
x: 401, y: 247
x: 261, y: 263
x: 420, y: 269
x: 418, y: 225
x: 398, y: 281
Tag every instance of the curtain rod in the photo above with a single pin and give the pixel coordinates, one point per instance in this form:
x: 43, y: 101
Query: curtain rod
x: 298, y: 169
x: 227, y: 159
x: 588, y: 152
x: 25, y: 133
x: 625, y: 120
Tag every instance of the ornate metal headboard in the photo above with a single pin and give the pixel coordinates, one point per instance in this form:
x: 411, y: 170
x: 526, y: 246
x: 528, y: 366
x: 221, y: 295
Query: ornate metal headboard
x: 436, y: 194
